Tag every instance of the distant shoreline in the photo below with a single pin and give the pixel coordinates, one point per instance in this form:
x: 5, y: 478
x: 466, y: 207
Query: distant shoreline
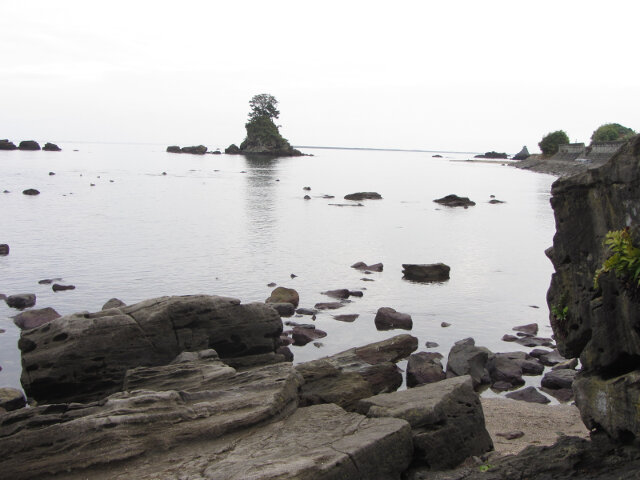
x: 383, y: 149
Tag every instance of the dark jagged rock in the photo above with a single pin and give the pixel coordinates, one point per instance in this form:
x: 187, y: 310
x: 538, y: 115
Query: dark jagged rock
x: 194, y: 150
x: 21, y: 300
x: 29, y: 145
x: 446, y: 418
x: 35, y: 318
x: 528, y: 394
x: 522, y: 154
x: 4, y: 249
x: 113, y: 303
x: 510, y: 367
x: 232, y: 150
x: 7, y: 145
x: 31, y: 191
x: 51, y: 147
x: 492, y: 154
x: 530, y: 328
x: 455, y: 201
x: 149, y: 333
x: 301, y: 335
x: 559, y: 379
x: 387, y: 319
x: 467, y: 359
x: 342, y: 293
x: 376, y: 267
x: 173, y: 149
x: 284, y: 309
x: 284, y: 295
x: 599, y: 325
x: 535, y: 342
x: 423, y: 368
x: 357, y: 373
x: 306, y: 311
x: 363, y: 196
x: 435, y: 272
x: 56, y: 287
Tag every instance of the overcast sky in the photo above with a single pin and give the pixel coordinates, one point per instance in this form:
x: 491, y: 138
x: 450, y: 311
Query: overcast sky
x: 446, y: 75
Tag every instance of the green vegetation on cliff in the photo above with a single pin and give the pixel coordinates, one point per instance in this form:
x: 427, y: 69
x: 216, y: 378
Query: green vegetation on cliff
x: 625, y: 258
x: 611, y: 132
x: 551, y: 141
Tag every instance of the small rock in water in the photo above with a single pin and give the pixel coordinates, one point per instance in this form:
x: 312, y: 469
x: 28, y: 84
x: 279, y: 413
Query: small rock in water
x: 328, y: 305
x: 367, y: 279
x: 21, y: 300
x: 509, y: 338
x: 431, y: 345
x: 318, y: 344
x: 52, y: 173
x: 347, y: 317
x: 387, y: 319
x: 293, y: 275
x: 56, y: 287
x: 530, y: 328
x: 306, y: 311
x: 306, y: 188
x: 4, y: 249
x: 272, y: 284
x: 445, y: 324
x: 31, y: 191
x: 35, y: 318
x: 164, y: 173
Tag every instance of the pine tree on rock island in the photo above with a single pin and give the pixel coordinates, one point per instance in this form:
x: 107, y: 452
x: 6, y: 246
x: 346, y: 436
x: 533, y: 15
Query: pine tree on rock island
x: 263, y: 135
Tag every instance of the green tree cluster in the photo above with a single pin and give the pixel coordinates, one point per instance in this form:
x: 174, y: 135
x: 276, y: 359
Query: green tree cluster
x: 611, y: 132
x: 551, y: 142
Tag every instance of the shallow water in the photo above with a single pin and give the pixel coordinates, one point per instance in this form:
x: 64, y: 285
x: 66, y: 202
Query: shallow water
x: 229, y: 225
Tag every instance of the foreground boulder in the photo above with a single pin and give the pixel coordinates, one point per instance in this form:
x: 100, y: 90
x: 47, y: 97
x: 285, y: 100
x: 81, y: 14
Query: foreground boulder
x: 455, y: 201
x: 446, y: 418
x: 148, y: 333
x: 434, y: 272
x: 424, y: 367
x: 598, y: 324
x: 346, y: 377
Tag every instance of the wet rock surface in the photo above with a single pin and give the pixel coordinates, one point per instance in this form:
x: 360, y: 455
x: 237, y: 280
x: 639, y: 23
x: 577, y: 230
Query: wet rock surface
x: 21, y: 300
x: 363, y: 196
x: 388, y: 319
x: 423, y: 368
x: 284, y: 295
x: 35, y: 318
x: 455, y: 201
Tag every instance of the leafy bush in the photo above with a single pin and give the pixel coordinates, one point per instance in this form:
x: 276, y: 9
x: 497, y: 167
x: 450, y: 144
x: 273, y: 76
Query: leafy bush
x: 551, y: 141
x: 261, y: 131
x: 611, y: 132
x: 625, y: 261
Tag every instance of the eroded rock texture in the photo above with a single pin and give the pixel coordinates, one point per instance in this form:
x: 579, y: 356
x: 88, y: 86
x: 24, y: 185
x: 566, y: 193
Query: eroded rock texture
x: 601, y: 326
x: 84, y: 357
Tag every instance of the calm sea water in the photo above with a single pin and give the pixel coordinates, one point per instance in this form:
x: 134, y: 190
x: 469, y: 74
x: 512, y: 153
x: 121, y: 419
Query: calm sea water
x: 229, y: 225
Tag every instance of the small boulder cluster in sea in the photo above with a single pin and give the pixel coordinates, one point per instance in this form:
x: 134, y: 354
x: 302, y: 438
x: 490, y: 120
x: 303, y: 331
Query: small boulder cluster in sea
x: 28, y: 145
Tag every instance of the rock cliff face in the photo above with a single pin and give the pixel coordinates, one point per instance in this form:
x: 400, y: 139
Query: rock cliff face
x: 601, y: 326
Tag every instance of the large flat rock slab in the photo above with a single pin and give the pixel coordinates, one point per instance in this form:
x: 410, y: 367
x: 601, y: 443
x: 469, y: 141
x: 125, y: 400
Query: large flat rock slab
x: 321, y: 442
x: 84, y: 357
x: 446, y: 419
x: 52, y: 439
x: 346, y: 377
